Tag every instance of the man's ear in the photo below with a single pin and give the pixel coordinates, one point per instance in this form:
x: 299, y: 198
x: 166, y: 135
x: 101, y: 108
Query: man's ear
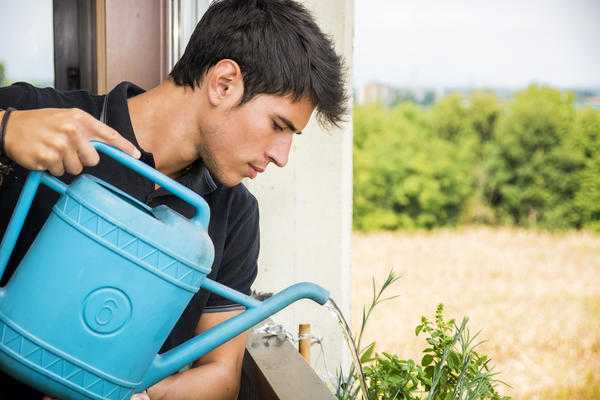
x: 225, y: 84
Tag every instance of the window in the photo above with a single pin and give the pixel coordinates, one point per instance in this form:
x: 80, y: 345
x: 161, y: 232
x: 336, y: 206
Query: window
x: 27, y: 50
x: 183, y: 15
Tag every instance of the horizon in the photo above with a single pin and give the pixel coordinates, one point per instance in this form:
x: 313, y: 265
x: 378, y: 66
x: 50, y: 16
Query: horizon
x: 480, y: 87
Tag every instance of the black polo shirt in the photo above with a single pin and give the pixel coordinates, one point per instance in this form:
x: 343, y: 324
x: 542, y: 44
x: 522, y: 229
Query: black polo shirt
x: 233, y: 224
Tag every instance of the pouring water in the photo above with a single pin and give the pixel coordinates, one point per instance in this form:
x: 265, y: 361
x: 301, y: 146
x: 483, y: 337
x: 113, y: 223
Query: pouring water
x: 351, y: 345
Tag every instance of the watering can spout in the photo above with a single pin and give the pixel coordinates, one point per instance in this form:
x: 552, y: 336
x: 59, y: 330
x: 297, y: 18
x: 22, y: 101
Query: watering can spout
x: 173, y: 360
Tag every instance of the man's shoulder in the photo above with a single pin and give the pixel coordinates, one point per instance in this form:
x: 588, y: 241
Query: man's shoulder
x: 23, y: 95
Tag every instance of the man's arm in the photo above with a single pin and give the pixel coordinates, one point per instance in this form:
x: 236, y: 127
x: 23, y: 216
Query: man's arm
x: 40, y: 137
x: 215, y: 376
x: 58, y: 140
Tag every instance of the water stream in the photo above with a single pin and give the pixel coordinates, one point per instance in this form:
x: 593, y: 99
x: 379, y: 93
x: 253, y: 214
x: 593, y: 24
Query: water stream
x: 351, y: 346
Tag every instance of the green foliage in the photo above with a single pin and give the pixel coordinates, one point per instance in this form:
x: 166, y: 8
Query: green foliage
x: 586, y: 144
x: 533, y: 161
x: 405, y: 177
x: 484, y: 111
x: 531, y: 173
x: 450, y: 117
x: 393, y: 378
x: 347, y: 385
x: 450, y: 368
x: 2, y: 74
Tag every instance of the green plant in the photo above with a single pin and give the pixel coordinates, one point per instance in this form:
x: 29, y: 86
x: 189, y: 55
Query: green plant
x: 347, y: 384
x: 450, y: 369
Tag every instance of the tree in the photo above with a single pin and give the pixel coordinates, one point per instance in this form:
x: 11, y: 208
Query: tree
x: 585, y: 143
x: 404, y: 175
x: 531, y: 173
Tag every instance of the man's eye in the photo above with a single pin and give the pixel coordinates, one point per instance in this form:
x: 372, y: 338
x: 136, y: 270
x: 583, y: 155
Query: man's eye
x: 277, y: 127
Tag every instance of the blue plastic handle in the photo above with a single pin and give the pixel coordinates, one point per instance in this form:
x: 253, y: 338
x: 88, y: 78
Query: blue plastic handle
x: 202, y: 215
x: 173, y: 360
x: 19, y: 214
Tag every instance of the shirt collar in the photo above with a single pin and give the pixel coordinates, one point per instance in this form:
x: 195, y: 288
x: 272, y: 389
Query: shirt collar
x: 197, y: 177
x: 117, y: 110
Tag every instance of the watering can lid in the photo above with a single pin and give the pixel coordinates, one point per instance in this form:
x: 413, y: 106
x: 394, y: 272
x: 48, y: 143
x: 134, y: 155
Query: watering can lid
x: 160, y: 228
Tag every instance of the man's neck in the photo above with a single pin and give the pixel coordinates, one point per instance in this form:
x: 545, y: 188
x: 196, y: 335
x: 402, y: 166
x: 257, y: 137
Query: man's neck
x: 164, y: 122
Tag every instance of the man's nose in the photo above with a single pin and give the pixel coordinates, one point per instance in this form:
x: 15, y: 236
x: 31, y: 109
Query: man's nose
x: 279, y: 150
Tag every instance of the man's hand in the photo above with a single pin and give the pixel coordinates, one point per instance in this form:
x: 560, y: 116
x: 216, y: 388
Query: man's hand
x: 58, y: 140
x: 140, y: 396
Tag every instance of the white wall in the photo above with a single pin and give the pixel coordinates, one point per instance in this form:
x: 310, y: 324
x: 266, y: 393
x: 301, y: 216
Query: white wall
x: 306, y: 210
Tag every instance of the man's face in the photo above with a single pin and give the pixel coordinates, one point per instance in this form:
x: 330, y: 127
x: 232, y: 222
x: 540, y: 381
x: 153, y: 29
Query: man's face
x: 241, y: 141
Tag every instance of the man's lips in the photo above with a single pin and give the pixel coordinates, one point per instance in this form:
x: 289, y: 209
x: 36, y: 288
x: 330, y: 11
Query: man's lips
x: 259, y: 169
x: 254, y: 170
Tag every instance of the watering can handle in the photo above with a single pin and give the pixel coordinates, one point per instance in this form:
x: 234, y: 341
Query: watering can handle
x: 202, y: 215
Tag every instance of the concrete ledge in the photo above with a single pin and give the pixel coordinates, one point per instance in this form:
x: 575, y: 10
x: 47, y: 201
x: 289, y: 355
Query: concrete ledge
x: 280, y: 373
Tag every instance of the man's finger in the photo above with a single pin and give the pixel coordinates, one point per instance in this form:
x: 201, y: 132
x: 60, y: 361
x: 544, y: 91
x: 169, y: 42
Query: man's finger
x: 106, y: 134
x: 87, y: 153
x: 72, y: 163
x: 57, y: 168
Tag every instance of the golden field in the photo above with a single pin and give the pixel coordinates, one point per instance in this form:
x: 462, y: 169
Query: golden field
x: 534, y: 296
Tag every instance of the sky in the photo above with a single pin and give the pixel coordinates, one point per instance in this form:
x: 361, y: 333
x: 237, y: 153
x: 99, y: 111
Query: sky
x: 503, y: 43
x: 27, y: 48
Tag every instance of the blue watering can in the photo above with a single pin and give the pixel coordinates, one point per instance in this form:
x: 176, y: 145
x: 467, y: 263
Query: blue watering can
x: 103, y: 284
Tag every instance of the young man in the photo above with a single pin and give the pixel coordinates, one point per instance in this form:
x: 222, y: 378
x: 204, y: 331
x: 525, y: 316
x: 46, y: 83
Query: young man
x: 251, y: 76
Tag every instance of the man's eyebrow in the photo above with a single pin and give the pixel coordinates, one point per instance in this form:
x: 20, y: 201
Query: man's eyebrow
x: 289, y: 124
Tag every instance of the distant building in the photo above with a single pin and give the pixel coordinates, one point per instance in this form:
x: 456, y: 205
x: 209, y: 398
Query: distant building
x: 377, y: 92
x: 595, y: 102
x: 374, y: 92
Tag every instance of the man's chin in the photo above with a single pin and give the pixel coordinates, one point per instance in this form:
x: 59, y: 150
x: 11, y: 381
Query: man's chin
x: 231, y: 184
x: 227, y: 181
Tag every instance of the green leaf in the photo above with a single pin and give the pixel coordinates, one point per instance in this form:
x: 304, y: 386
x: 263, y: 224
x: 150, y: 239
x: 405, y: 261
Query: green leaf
x: 427, y: 359
x: 429, y: 371
x: 367, y: 354
x: 454, y: 361
x: 418, y: 329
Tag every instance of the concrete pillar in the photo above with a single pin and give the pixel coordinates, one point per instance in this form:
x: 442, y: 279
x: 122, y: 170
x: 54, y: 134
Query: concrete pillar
x: 306, y: 211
